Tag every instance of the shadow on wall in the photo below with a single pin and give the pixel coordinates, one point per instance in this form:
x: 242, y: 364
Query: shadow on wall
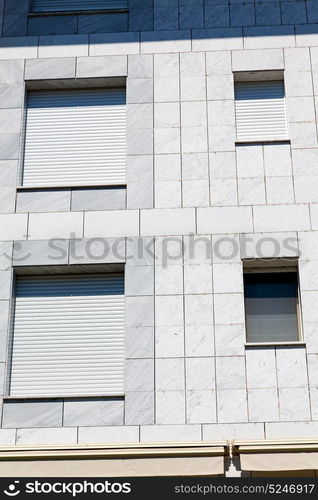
x: 187, y: 24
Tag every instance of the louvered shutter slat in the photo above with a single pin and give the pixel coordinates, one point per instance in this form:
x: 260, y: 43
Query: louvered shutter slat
x: 68, y: 336
x: 75, y: 138
x: 260, y: 111
x: 77, y: 5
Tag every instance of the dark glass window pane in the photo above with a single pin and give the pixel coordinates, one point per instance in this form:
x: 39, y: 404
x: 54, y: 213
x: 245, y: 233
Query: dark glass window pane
x: 271, y: 307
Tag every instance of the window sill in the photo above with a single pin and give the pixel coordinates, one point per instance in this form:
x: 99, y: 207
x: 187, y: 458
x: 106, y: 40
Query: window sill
x: 76, y: 396
x: 273, y: 344
x: 57, y: 188
x: 77, y: 12
x: 262, y: 141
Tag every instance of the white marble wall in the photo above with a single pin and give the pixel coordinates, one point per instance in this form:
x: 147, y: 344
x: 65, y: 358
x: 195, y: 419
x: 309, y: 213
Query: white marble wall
x: 188, y: 374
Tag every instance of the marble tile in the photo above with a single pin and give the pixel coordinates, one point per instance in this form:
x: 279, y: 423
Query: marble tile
x: 139, y: 375
x: 169, y: 280
x: 4, y: 315
x: 195, y: 166
x: 267, y: 245
x: 11, y: 72
x: 43, y: 201
x: 197, y: 249
x: 312, y: 360
x: 192, y: 64
x: 140, y: 251
x: 11, y: 96
x: 200, y: 374
x: 169, y: 375
x: 294, y: 404
x: 224, y: 192
x: 249, y: 431
x: 169, y: 310
x: 199, y: 341
x: 263, y: 405
x: 201, y: 407
x: 232, y: 406
x: 93, y: 412
x: 250, y: 162
x: 226, y: 248
x: 58, y: 436
x: 310, y: 330
x: 313, y: 391
x: 291, y: 367
x: 223, y: 165
x: 98, y: 199
x: 8, y: 171
x: 6, y: 283
x: 139, y: 311
x: 139, y: 342
x: 230, y: 372
x: 197, y: 279
x: 58, y: 25
x: 6, y: 249
x: 228, y: 308
x: 219, y: 62
x: 170, y: 407
x: 32, y: 414
x: 251, y: 191
x: 261, y: 368
x: 139, y: 280
x: 168, y: 167
x: 227, y: 278
x: 170, y: 433
x: 139, y: 408
x: 309, y: 311
x: 229, y: 340
x: 102, y: 435
x: 44, y: 226
x: 41, y: 69
x: 111, y: 23
x: 291, y: 430
x: 40, y: 252
x: 167, y: 194
x: 198, y: 310
x: 7, y: 437
x: 169, y: 341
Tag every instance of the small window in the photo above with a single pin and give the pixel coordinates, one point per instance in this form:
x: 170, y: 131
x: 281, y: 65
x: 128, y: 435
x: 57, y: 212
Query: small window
x: 272, y: 306
x: 75, y: 138
x: 260, y: 110
x: 77, y: 5
x: 68, y: 336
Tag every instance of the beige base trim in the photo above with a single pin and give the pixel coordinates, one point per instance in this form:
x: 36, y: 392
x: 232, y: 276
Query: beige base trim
x: 267, y: 462
x: 141, y: 467
x: 270, y: 456
x: 142, y: 460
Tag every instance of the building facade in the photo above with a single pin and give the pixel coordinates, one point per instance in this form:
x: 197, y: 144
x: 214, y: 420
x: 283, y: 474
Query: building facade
x: 159, y: 236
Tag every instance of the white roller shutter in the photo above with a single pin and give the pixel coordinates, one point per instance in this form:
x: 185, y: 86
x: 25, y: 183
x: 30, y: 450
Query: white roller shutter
x: 77, y: 5
x: 75, y: 137
x: 68, y: 336
x: 260, y: 111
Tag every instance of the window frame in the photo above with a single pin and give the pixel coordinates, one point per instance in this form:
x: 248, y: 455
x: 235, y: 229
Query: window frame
x: 70, y: 85
x: 261, y: 77
x: 277, y: 269
x: 36, y: 13
x: 61, y: 270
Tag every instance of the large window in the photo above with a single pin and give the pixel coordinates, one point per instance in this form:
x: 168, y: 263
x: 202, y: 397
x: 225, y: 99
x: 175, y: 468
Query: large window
x: 77, y: 5
x: 260, y: 111
x: 75, y: 138
x: 68, y: 336
x: 272, y: 306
